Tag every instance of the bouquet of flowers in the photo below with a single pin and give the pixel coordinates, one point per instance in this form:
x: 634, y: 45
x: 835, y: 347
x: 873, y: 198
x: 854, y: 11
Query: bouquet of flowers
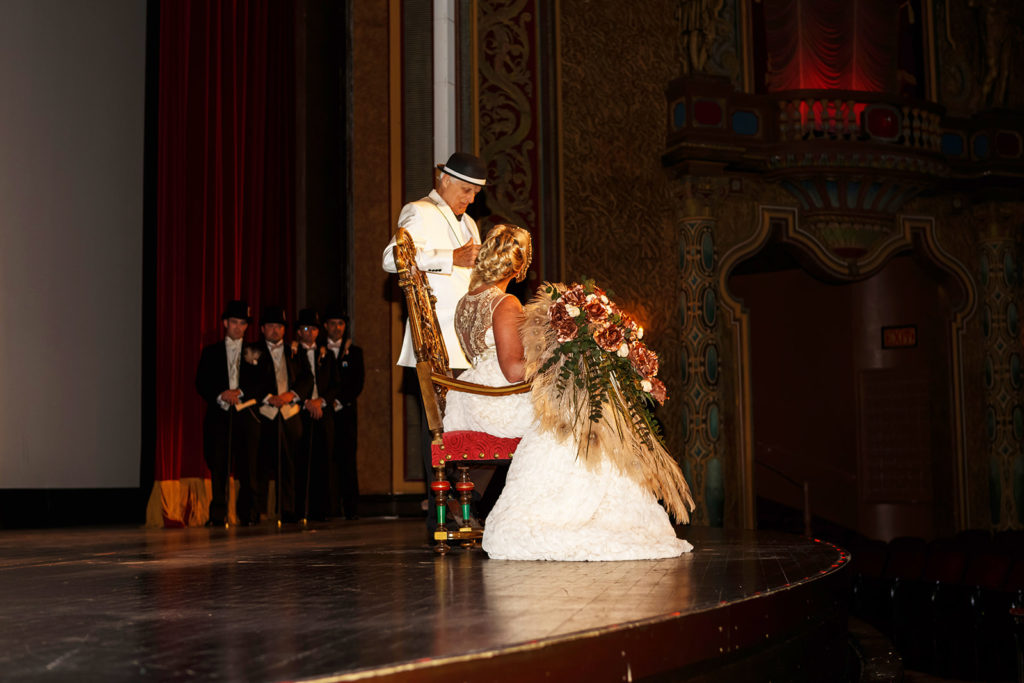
x: 600, y: 351
x: 594, y: 380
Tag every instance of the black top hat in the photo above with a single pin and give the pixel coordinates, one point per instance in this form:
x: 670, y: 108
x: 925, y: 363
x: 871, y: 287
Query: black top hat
x: 308, y: 317
x: 335, y: 312
x: 237, y: 308
x: 465, y: 167
x: 273, y: 315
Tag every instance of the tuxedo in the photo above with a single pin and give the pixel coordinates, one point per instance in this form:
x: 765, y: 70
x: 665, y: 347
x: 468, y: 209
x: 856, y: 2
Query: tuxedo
x: 315, y: 368
x: 280, y: 437
x: 230, y: 437
x: 437, y: 233
x: 344, y: 477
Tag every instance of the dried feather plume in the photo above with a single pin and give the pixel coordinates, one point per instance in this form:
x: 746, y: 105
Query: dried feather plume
x: 592, y: 378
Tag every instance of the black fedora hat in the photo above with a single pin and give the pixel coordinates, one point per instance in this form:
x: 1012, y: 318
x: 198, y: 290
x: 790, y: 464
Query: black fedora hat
x: 237, y: 308
x: 466, y: 167
x: 273, y: 315
x: 308, y: 317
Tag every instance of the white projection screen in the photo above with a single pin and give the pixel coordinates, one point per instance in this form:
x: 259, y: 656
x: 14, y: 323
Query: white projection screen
x: 72, y: 105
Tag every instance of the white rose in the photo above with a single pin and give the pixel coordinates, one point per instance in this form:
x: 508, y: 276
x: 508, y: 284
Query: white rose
x: 640, y: 333
x: 623, y: 350
x: 590, y: 297
x: 646, y: 386
x: 604, y: 299
x: 573, y: 311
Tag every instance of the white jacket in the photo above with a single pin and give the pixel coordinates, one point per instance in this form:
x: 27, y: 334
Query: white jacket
x: 437, y: 234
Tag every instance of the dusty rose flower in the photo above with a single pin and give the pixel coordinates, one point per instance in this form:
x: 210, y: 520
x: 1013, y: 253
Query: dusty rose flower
x: 609, y: 337
x: 596, y: 311
x: 644, y: 360
x: 658, y: 390
x: 562, y: 322
x: 574, y: 296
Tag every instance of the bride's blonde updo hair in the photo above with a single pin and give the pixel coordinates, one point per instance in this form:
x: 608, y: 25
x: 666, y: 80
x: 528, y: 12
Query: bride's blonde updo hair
x: 506, y: 251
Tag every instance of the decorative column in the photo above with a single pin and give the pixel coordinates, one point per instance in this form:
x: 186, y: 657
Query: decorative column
x: 702, y: 422
x: 1000, y: 280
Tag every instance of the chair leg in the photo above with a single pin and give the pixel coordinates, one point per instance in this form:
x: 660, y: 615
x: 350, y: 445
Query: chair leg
x: 441, y: 487
x: 465, y: 488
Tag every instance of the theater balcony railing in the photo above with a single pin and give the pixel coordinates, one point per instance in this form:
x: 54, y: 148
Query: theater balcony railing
x: 841, y: 151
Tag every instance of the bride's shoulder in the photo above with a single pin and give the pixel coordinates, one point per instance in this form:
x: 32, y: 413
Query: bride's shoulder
x: 508, y: 305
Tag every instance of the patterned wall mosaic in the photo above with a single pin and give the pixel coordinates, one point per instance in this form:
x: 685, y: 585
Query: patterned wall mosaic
x: 702, y: 417
x: 617, y: 202
x: 1000, y: 280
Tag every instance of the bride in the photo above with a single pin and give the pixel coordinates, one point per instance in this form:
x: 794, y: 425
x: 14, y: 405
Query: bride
x: 585, y: 480
x: 487, y: 324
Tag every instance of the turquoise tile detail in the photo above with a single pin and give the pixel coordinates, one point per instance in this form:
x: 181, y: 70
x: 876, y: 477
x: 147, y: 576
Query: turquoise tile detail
x: 745, y: 123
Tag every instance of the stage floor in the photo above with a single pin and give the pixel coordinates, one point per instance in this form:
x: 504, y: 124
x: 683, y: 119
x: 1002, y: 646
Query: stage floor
x: 364, y: 599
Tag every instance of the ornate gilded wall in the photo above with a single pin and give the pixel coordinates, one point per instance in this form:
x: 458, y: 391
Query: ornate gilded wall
x: 624, y: 227
x: 979, y: 50
x: 619, y: 226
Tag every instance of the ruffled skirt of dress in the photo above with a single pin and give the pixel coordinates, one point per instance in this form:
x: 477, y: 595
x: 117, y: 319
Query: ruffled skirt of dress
x: 504, y: 416
x: 554, y: 508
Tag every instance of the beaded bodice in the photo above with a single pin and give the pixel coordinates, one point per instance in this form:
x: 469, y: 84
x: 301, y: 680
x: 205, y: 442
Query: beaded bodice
x: 473, y: 318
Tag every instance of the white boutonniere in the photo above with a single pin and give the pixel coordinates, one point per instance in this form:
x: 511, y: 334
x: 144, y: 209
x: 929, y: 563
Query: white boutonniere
x: 251, y: 355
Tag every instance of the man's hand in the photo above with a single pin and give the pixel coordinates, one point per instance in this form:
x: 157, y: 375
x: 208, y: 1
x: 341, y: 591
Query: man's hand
x: 280, y: 399
x: 230, y: 396
x: 465, y: 256
x: 315, y: 406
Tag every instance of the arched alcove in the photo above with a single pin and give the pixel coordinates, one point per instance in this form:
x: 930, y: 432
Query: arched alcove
x: 850, y: 377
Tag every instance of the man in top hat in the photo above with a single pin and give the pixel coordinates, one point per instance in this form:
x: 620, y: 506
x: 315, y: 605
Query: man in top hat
x: 226, y: 379
x: 315, y: 366
x: 447, y: 242
x: 283, y: 389
x: 350, y: 375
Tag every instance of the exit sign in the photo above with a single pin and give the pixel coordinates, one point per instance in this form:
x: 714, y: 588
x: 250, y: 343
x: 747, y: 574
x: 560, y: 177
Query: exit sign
x: 899, y: 337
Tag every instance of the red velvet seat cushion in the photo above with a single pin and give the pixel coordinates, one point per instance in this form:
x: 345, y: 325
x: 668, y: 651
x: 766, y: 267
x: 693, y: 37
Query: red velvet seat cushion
x: 472, y: 446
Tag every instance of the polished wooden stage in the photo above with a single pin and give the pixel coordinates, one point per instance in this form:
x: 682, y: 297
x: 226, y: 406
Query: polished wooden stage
x: 368, y: 600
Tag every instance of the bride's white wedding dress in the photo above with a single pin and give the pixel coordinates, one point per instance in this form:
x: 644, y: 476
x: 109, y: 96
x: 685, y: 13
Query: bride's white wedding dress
x: 552, y: 506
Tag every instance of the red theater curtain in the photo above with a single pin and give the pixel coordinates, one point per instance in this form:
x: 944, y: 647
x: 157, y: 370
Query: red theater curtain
x: 225, y: 218
x: 831, y: 44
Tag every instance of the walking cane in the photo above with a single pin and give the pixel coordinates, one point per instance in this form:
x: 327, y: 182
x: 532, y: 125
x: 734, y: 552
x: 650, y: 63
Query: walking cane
x: 227, y: 493
x: 309, y: 473
x: 280, y: 435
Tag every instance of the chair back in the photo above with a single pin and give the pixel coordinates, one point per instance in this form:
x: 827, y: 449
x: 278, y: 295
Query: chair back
x: 427, y: 340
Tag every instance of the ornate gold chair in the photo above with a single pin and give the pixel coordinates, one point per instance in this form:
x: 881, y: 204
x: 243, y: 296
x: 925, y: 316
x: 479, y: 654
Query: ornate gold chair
x: 461, y: 448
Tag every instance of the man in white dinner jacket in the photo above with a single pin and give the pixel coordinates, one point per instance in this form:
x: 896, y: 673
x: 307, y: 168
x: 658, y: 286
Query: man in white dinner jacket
x: 447, y: 242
